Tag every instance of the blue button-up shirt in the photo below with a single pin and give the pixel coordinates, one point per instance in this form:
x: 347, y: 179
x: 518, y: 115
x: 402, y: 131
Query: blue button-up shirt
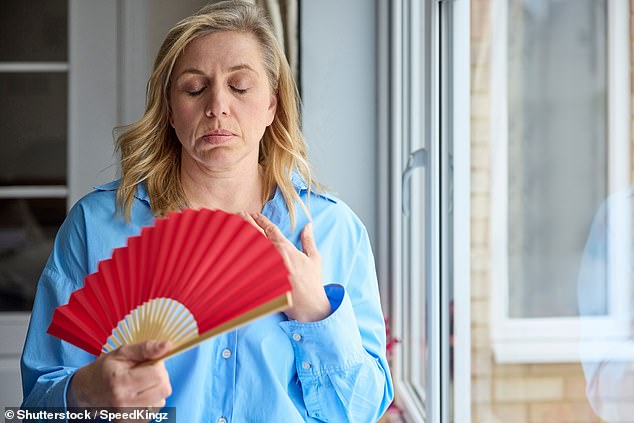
x: 272, y: 370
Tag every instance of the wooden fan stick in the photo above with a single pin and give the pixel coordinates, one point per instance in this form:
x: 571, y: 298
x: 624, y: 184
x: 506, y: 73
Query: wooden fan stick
x: 174, y: 325
x: 183, y: 337
x: 149, y: 331
x: 165, y: 316
x: 277, y: 304
x: 156, y: 329
x: 185, y: 329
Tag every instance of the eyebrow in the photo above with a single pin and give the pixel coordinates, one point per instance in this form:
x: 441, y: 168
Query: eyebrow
x: 235, y: 68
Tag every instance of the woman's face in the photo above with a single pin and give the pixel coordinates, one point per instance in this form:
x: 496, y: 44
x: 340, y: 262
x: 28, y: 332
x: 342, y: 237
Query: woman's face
x: 221, y: 101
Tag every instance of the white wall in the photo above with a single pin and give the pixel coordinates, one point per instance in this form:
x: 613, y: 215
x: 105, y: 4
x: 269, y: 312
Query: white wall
x: 145, y: 24
x: 338, y: 76
x: 109, y: 71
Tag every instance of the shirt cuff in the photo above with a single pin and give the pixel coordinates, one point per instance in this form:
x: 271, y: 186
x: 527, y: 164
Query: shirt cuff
x: 66, y: 387
x: 329, y: 345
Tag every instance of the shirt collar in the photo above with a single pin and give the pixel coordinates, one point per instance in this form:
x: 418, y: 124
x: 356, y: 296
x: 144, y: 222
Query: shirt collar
x: 298, y: 182
x: 140, y: 192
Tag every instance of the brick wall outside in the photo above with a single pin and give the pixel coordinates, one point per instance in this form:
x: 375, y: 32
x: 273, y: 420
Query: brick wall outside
x: 527, y: 393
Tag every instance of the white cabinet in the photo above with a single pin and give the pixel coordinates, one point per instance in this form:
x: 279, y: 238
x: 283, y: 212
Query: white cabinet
x: 71, y: 72
x: 58, y: 107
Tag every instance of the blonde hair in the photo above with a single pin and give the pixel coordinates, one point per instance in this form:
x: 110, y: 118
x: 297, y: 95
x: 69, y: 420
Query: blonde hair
x: 150, y: 150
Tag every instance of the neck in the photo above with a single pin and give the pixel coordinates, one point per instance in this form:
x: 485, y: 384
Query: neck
x: 232, y: 190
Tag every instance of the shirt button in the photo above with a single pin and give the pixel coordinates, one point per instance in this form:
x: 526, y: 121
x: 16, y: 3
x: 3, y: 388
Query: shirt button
x: 306, y: 365
x: 222, y: 420
x: 297, y: 337
x: 226, y: 353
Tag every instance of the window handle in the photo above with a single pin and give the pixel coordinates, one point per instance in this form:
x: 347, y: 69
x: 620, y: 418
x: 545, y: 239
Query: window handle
x: 416, y: 159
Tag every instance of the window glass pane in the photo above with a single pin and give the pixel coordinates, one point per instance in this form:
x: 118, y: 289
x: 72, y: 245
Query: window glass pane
x: 557, y: 144
x: 417, y: 130
x: 33, y: 115
x: 551, y: 212
x: 33, y: 31
x: 27, y: 231
x: 415, y: 267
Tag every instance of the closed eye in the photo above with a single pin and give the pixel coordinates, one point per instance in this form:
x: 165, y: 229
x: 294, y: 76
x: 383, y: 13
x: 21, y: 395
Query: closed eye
x: 195, y: 93
x: 238, y: 90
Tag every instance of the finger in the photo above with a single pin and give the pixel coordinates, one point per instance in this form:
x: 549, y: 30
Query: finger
x: 147, y: 375
x: 285, y: 257
x: 162, y: 385
x: 308, y: 241
x: 154, y: 396
x: 142, y: 351
x: 246, y: 216
x: 271, y: 231
x: 139, y: 378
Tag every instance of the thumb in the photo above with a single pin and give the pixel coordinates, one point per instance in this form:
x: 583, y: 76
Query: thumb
x: 308, y: 241
x: 143, y: 351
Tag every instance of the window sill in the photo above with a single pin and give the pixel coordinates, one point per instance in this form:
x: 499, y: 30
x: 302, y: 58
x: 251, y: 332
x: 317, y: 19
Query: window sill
x: 563, y: 351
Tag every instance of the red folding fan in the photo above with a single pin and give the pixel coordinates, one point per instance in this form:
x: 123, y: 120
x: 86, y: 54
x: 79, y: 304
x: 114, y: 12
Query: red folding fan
x: 191, y: 276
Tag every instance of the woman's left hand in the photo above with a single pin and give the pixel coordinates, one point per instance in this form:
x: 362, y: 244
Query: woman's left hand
x: 310, y: 303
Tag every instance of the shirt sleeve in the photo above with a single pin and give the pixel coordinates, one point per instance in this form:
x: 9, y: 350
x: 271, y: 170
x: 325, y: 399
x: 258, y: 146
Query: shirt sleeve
x: 341, y: 360
x: 47, y: 363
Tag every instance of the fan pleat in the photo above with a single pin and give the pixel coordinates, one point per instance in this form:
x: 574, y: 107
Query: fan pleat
x: 70, y: 335
x: 200, y: 260
x: 190, y: 276
x: 66, y: 322
x: 236, y: 305
x: 151, y: 251
x: 215, y: 250
x: 177, y: 230
x: 143, y: 265
x: 122, y: 268
x: 132, y: 280
x: 100, y: 289
x: 182, y: 230
x: 226, y: 252
x: 165, y: 246
x: 83, y: 301
x: 118, y: 281
x: 193, y: 249
x: 255, y: 266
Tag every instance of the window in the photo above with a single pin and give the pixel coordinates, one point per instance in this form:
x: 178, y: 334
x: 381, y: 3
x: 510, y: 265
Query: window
x: 409, y: 59
x: 560, y: 143
x: 422, y: 137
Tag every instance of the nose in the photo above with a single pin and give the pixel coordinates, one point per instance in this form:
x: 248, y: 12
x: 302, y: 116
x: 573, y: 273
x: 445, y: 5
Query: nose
x: 217, y: 103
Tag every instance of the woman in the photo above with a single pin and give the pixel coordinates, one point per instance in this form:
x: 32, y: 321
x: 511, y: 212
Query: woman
x: 221, y: 131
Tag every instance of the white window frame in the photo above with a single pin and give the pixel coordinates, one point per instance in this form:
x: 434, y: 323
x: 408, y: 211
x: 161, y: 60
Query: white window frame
x: 549, y: 340
x: 460, y: 104
x: 395, y: 124
x: 442, y: 399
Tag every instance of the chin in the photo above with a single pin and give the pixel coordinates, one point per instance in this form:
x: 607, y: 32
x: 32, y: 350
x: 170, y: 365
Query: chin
x: 218, y: 162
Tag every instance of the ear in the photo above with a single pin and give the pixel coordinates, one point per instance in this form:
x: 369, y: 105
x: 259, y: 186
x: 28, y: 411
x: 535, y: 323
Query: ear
x: 272, y: 109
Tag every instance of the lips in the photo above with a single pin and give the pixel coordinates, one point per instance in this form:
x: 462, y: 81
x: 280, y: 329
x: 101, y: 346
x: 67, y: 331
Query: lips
x: 217, y: 136
x: 220, y: 131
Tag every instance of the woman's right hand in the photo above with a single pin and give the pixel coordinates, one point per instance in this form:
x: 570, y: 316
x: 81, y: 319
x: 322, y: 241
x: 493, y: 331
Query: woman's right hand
x: 118, y: 379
